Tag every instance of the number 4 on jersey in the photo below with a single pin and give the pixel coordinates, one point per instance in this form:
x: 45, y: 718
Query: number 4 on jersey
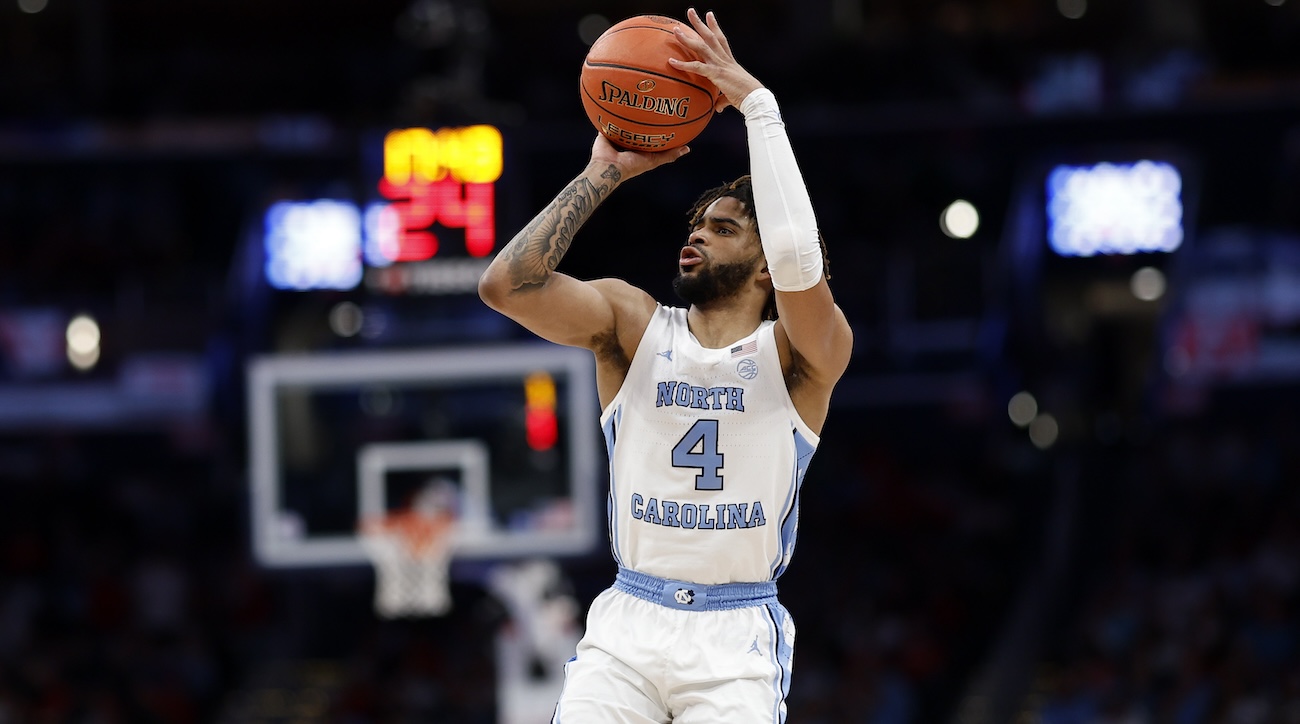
x: 698, y: 448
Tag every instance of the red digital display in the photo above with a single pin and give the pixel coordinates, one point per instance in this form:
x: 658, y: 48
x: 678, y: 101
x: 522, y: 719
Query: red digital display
x: 454, y: 205
x: 443, y: 177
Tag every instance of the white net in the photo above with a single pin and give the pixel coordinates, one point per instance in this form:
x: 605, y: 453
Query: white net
x: 411, y: 551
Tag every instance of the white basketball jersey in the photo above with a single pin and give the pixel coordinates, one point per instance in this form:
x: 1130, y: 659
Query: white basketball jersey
x: 706, y: 456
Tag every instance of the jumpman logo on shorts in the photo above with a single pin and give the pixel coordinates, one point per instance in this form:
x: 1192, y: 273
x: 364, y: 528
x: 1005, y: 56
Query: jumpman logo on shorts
x: 753, y: 648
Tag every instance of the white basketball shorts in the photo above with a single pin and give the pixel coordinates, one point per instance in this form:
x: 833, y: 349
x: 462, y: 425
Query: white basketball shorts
x: 660, y: 651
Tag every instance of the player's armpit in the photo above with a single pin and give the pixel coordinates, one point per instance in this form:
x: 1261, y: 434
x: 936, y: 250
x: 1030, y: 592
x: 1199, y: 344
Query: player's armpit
x: 817, y: 330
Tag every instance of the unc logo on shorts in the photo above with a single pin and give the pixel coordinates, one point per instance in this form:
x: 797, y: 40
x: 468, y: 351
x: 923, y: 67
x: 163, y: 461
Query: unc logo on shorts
x: 684, y: 596
x: 747, y: 368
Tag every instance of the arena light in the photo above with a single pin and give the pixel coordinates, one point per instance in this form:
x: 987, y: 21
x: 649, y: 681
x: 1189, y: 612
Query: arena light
x: 83, y: 338
x: 960, y: 220
x: 1147, y: 284
x: 1022, y: 408
x: 313, y: 245
x: 1043, y: 431
x: 1114, y: 208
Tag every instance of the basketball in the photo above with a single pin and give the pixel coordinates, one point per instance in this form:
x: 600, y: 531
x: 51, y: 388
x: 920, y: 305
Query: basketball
x: 634, y: 97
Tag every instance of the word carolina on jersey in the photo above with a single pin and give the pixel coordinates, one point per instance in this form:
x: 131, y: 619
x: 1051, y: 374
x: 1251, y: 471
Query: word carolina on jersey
x: 720, y: 516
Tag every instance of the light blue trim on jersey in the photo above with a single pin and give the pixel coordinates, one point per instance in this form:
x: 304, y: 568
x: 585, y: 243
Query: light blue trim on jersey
x: 611, y: 434
x: 803, y: 452
x: 782, y: 653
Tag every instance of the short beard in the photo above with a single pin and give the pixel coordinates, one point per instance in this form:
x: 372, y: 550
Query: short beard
x: 707, y: 286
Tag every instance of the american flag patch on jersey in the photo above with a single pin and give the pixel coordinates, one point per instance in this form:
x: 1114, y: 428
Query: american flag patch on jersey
x: 741, y: 350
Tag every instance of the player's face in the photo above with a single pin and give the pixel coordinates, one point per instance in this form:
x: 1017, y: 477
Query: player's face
x: 720, y: 256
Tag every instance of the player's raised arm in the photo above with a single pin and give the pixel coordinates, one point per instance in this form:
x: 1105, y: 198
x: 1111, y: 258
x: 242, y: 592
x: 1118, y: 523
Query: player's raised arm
x: 522, y: 282
x: 815, y: 326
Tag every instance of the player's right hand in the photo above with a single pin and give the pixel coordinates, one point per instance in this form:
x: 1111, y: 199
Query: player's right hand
x: 715, y: 61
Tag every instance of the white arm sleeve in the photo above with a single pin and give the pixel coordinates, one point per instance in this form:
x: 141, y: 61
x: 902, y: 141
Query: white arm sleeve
x: 786, y: 223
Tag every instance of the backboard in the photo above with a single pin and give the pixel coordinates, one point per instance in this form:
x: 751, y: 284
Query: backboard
x: 341, y: 437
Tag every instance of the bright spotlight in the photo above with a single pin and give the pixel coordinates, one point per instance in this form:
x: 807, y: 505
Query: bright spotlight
x: 1148, y: 284
x: 1043, y: 431
x: 83, y: 338
x: 1022, y: 408
x: 960, y: 220
x: 31, y: 7
x: 83, y: 334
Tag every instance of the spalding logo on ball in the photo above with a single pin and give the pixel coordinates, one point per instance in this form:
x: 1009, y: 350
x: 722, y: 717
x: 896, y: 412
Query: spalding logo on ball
x: 634, y: 97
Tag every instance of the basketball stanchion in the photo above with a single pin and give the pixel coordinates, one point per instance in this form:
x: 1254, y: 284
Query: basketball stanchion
x: 536, y: 640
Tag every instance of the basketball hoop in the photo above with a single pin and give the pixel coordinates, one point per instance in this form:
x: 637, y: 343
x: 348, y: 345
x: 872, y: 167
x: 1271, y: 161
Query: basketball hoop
x: 411, y: 550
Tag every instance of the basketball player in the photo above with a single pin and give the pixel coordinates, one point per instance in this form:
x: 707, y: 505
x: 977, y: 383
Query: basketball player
x: 711, y: 414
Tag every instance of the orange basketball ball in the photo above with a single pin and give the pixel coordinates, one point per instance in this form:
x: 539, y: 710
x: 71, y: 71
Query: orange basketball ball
x: 634, y: 97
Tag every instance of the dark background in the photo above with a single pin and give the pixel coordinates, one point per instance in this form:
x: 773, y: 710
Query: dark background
x: 1139, y: 567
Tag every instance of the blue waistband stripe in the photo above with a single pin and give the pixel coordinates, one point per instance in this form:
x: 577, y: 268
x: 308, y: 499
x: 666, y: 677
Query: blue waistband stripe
x: 687, y: 596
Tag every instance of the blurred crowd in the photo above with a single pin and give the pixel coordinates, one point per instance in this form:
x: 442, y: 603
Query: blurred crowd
x: 123, y: 593
x: 906, y: 566
x: 1189, y: 609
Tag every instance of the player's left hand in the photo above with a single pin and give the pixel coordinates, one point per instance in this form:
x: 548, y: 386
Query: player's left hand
x: 715, y: 61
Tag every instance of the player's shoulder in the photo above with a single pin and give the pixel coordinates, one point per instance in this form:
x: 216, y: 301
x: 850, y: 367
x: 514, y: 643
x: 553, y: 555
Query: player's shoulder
x: 625, y: 297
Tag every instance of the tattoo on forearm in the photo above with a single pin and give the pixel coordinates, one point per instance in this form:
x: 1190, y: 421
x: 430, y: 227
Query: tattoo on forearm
x: 536, y: 250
